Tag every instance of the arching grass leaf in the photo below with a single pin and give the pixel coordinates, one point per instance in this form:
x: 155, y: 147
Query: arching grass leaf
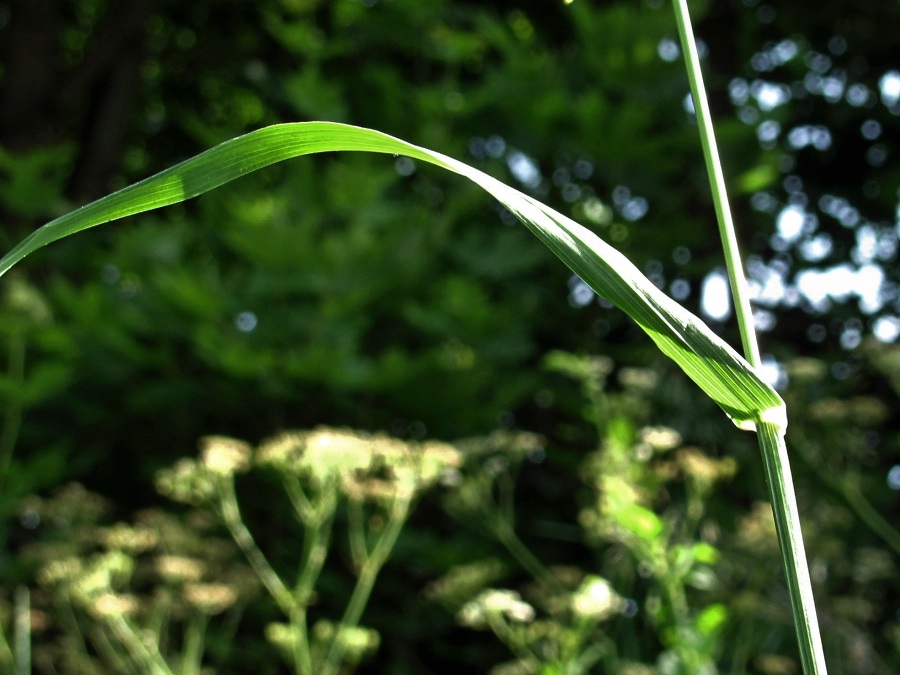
x: 724, y: 375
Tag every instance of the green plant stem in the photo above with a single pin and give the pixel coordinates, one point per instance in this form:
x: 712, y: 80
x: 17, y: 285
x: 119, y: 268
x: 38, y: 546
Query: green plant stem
x: 300, y: 644
x: 70, y: 621
x: 505, y: 534
x: 366, y: 581
x: 112, y: 652
x: 157, y: 623
x: 232, y: 516
x: 867, y: 513
x: 192, y: 654
x: 517, y: 644
x: 356, y: 533
x: 293, y: 605
x: 586, y: 659
x: 302, y: 506
x: 146, y: 655
x: 504, y: 526
x: 315, y: 553
x: 317, y: 536
x: 770, y: 436
x: 717, y: 183
x: 790, y: 540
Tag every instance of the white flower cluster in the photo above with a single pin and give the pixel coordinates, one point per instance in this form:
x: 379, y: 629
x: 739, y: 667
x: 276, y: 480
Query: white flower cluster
x: 595, y: 599
x: 365, y: 466
x: 493, y: 604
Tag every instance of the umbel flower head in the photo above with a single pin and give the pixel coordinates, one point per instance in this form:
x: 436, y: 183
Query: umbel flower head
x: 224, y: 456
x: 187, y: 481
x: 195, y: 482
x: 596, y: 599
x: 495, y: 604
x: 363, y: 466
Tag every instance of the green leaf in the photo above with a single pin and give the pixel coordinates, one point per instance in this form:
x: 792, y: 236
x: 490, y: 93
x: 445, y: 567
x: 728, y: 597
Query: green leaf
x: 706, y: 553
x: 724, y: 375
x: 635, y: 518
x: 712, y: 619
x: 758, y: 178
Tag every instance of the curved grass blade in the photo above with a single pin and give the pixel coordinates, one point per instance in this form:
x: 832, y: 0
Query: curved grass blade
x: 725, y: 376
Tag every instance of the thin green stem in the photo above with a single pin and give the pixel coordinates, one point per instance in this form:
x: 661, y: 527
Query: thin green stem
x: 503, y: 524
x: 790, y: 539
x: 517, y: 645
x: 314, y: 558
x: 867, y: 513
x: 366, y: 581
x: 7, y: 658
x: 770, y: 436
x: 232, y: 516
x: 147, y: 655
x: 356, y: 533
x: 192, y: 654
x: 300, y: 643
x: 523, y: 555
x: 585, y: 660
x: 302, y: 506
x: 112, y: 652
x: 717, y: 184
x: 157, y: 622
x: 317, y: 537
x: 66, y: 612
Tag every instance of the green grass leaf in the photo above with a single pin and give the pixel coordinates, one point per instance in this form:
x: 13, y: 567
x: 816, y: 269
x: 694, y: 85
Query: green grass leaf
x: 724, y: 375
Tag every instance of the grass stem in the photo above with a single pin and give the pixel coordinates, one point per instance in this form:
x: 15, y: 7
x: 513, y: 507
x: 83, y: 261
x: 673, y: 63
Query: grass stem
x: 790, y: 540
x: 739, y: 287
x: 771, y: 437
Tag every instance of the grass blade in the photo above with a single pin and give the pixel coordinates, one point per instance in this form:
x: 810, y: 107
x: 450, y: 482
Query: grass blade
x: 723, y: 374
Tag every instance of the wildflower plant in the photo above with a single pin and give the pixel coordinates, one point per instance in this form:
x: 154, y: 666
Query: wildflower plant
x: 627, y: 474
x: 374, y: 477
x: 140, y: 596
x: 127, y: 597
x: 554, y: 623
x: 566, y: 619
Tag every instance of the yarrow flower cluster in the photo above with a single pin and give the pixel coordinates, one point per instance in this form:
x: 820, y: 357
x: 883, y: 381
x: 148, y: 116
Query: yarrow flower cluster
x: 364, y: 466
x: 493, y: 604
x: 595, y: 599
x: 224, y: 456
x: 188, y: 482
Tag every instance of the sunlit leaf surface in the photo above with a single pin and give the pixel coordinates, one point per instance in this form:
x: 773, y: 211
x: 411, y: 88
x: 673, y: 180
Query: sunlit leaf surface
x: 725, y: 376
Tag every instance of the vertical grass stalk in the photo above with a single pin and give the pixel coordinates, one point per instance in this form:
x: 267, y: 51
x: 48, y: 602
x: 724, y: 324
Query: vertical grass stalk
x: 771, y: 437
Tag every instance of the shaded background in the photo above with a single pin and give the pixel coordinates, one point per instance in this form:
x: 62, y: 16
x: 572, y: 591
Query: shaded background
x: 379, y: 294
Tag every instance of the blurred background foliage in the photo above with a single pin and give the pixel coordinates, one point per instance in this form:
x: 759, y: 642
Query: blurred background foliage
x: 377, y: 294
